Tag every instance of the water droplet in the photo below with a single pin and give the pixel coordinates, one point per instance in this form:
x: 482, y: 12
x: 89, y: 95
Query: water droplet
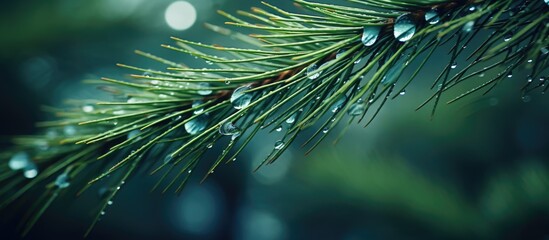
x: 209, y: 62
x: 340, y: 53
x: 472, y: 8
x: 454, y: 65
x: 510, y: 75
x: 311, y: 74
x: 168, y: 158
x: 210, y: 145
x: 392, y: 74
x: 507, y: 36
x: 530, y: 60
x: 235, y: 136
x: 356, y: 109
x: 544, y: 50
x: 526, y: 98
x: 62, y: 181
x: 404, y: 28
x: 227, y: 82
x: 204, y: 89
x: 468, y: 27
x: 325, y: 130
x: 481, y: 74
x: 292, y: 118
x: 69, y: 130
x: 228, y: 129
x: 190, y: 171
x: 279, y: 128
x: 19, y: 161
x: 195, y: 106
x: 529, y: 79
x: 401, y: 93
x: 279, y: 145
x: 197, y: 124
x: 370, y: 34
x: 240, y: 98
x: 30, y: 171
x: 109, y: 202
x: 102, y: 213
x: 134, y: 133
x: 339, y: 103
x: 88, y: 108
x: 542, y: 79
x: 432, y: 16
x: 547, y: 2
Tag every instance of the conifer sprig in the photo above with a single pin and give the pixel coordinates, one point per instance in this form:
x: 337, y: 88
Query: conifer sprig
x: 300, y: 70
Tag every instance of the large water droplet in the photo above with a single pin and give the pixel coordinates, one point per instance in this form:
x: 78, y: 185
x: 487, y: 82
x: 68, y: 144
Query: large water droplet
x: 279, y: 145
x: 311, y: 71
x: 356, y: 109
x: 30, y: 171
x: 197, y: 124
x: 228, y: 129
x: 240, y: 98
x: 204, y: 89
x: 468, y: 27
x: 370, y: 34
x: 432, y: 16
x: 62, y: 181
x: 404, y: 28
x: 278, y: 129
x: 19, y: 161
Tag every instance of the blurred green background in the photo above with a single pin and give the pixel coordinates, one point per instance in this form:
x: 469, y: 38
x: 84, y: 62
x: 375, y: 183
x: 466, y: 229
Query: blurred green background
x: 478, y: 170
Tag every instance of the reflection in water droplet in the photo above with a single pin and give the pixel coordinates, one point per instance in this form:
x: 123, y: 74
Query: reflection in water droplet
x: 432, y: 16
x: 404, y: 28
x: 240, y: 98
x: 370, y: 35
x: 197, y: 124
x: 134, y: 133
x: 228, y: 129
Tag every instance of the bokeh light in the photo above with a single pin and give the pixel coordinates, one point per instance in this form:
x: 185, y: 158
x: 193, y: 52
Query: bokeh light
x: 180, y: 15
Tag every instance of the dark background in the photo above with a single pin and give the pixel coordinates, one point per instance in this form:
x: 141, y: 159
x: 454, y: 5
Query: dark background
x: 478, y: 170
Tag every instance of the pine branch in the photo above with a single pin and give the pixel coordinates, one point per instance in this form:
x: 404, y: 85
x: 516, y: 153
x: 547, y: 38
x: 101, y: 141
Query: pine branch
x: 338, y: 62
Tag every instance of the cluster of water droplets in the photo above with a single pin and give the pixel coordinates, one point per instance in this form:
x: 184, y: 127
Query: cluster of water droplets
x: 22, y: 161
